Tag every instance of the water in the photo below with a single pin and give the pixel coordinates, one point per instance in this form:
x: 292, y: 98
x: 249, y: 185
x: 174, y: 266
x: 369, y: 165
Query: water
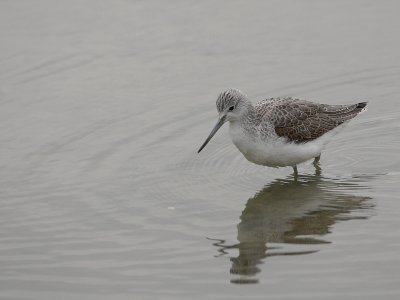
x: 103, y: 106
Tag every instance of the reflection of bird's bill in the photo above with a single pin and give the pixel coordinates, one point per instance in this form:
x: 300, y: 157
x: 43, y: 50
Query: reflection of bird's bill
x: 217, y: 126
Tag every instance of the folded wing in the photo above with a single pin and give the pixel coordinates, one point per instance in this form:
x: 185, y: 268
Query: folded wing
x: 302, y: 121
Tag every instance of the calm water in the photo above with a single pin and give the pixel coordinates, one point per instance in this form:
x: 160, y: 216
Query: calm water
x: 103, y: 106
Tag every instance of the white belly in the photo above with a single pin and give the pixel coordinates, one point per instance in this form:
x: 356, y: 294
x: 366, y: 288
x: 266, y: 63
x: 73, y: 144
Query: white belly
x: 279, y: 154
x: 276, y: 151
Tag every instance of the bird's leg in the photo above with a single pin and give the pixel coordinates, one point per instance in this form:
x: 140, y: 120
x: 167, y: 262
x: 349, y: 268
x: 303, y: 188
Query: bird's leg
x: 318, y: 171
x: 316, y: 161
x: 317, y: 166
x: 295, y: 172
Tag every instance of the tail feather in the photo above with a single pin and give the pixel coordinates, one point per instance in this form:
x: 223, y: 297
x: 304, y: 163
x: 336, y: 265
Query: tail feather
x: 343, y: 113
x: 362, y: 106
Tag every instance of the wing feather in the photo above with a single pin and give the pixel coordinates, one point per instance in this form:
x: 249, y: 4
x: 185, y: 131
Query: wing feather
x: 302, y: 121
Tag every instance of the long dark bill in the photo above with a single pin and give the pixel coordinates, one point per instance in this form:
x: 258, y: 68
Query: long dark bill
x: 215, y: 129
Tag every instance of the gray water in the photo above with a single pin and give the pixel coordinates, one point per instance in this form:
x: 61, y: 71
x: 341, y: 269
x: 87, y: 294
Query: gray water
x: 103, y: 196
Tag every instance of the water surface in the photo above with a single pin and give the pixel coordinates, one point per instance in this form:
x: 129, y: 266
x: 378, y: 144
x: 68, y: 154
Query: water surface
x: 103, y: 106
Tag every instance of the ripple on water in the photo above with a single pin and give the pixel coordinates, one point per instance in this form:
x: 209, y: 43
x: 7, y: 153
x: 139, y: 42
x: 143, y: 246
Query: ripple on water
x: 101, y: 138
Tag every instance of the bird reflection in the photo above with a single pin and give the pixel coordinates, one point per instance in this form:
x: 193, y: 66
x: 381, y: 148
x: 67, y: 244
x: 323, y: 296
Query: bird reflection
x: 288, y: 211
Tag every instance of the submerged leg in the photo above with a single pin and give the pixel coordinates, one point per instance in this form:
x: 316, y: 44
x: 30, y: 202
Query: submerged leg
x: 316, y: 160
x: 295, y: 173
x: 295, y: 170
x: 317, y: 166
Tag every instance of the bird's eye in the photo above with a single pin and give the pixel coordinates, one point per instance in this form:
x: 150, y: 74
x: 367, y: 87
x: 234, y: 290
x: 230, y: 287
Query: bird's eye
x: 231, y: 108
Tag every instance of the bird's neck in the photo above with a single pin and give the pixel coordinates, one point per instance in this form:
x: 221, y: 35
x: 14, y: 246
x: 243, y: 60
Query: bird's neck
x: 247, y: 121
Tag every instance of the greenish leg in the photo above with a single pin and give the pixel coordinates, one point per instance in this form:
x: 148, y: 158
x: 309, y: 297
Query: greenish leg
x: 316, y: 160
x: 317, y: 166
x: 295, y: 172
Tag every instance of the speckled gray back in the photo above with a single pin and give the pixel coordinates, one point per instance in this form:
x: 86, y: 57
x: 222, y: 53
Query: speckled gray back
x: 301, y: 120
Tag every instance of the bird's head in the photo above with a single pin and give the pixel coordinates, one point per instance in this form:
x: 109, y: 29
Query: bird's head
x: 232, y: 104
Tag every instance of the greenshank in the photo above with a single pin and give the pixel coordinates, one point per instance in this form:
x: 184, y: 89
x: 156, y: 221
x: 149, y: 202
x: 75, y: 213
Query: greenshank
x: 280, y: 132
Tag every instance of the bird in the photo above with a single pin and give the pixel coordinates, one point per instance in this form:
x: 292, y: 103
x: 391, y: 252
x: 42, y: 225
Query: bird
x: 283, y: 131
